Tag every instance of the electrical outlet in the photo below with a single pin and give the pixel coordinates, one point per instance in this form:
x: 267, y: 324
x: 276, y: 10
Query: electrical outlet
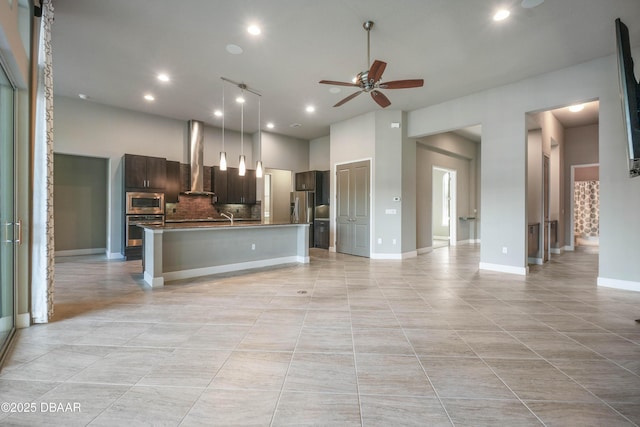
x: 504, y: 250
x: 379, y: 240
x: 253, y: 246
x: 394, y: 241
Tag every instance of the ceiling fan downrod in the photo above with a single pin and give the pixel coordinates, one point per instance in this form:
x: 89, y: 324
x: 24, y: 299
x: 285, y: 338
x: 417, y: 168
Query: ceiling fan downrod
x: 367, y: 26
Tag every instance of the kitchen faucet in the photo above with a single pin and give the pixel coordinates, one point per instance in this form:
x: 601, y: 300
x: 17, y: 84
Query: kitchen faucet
x: 228, y: 215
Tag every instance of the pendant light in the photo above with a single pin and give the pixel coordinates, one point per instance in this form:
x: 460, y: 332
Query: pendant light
x: 242, y: 165
x: 223, y: 154
x: 259, y: 162
x: 242, y: 168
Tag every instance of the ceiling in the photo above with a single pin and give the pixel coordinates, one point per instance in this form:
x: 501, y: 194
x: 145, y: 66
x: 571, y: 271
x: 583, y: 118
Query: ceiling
x: 112, y: 51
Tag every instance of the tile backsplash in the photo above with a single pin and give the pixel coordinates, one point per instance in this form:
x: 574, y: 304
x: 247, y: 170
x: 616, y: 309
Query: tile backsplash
x: 200, y: 207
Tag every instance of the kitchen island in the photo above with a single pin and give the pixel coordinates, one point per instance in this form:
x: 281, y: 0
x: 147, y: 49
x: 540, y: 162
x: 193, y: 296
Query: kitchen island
x: 177, y: 251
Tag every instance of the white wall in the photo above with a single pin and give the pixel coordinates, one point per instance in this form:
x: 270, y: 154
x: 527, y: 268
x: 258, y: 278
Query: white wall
x: 553, y: 146
x: 501, y: 111
x: 285, y: 152
x: 319, y: 157
x: 386, y: 186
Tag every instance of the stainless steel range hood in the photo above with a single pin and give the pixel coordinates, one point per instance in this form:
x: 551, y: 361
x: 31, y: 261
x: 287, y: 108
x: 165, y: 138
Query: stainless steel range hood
x: 196, y: 158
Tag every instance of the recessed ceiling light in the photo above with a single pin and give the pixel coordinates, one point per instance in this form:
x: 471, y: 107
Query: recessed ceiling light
x: 83, y: 96
x: 240, y: 100
x: 270, y: 125
x: 530, y: 4
x: 149, y: 97
x: 501, y: 15
x: 310, y: 109
x: 576, y: 108
x: 335, y: 90
x: 217, y: 113
x: 234, y: 49
x: 254, y: 30
x: 163, y: 77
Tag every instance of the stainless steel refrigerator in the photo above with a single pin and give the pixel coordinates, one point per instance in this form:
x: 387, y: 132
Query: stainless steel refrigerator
x: 303, y: 209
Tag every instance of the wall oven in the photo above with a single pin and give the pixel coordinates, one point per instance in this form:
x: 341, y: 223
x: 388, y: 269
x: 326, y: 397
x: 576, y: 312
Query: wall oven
x: 134, y: 233
x: 144, y: 203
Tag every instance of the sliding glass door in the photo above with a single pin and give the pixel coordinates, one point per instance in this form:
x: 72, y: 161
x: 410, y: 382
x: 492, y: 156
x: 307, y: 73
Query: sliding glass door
x: 9, y: 231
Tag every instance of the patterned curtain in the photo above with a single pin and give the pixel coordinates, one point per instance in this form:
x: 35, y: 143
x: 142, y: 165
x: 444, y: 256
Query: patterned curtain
x: 586, y: 216
x: 42, y: 269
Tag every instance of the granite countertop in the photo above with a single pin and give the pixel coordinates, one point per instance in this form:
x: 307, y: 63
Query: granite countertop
x: 186, y: 225
x: 171, y: 221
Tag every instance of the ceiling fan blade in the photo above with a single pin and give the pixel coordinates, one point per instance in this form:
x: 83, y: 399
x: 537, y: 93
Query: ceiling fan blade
x: 348, y: 98
x: 331, y: 82
x: 376, y: 70
x: 380, y: 98
x: 402, y: 84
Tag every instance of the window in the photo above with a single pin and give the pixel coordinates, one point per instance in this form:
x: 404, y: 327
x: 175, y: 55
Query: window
x: 446, y: 197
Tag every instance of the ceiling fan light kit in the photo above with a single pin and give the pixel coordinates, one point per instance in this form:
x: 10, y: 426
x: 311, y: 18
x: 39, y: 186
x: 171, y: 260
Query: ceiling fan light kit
x: 369, y: 81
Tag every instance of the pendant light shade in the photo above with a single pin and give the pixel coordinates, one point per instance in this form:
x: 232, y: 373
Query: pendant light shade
x: 259, y: 169
x: 223, y: 161
x: 242, y: 169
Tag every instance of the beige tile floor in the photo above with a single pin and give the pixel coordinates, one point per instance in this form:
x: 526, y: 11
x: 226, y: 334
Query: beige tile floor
x: 341, y: 341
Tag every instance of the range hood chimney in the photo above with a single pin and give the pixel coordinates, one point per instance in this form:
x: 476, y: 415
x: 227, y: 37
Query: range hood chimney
x: 196, y: 158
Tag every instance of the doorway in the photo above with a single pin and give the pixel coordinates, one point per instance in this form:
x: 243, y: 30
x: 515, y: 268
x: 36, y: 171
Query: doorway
x: 275, y: 204
x: 444, y: 207
x: 80, y: 209
x: 585, y: 208
x: 560, y: 142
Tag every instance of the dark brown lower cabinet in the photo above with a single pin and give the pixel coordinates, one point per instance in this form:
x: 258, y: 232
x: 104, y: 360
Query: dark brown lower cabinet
x: 321, y: 233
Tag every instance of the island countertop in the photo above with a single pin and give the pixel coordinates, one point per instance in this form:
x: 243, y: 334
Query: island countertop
x: 203, y: 224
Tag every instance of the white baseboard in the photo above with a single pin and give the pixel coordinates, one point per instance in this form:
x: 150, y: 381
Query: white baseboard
x: 76, y: 252
x: 405, y: 255
x: 468, y: 242
x: 569, y: 248
x: 425, y: 250
x: 557, y: 251
x: 538, y: 261
x: 115, y: 255
x: 626, y: 285
x: 332, y: 248
x: 522, y: 271
x: 23, y: 320
x: 441, y: 238
x: 154, y: 282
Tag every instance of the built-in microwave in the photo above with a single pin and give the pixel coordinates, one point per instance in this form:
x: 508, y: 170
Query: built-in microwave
x: 144, y: 203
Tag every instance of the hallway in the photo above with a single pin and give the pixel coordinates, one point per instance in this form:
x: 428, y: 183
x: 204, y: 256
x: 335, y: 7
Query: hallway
x: 341, y: 341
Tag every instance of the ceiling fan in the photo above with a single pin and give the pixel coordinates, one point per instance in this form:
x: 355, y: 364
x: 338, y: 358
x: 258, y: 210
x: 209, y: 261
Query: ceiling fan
x: 369, y: 81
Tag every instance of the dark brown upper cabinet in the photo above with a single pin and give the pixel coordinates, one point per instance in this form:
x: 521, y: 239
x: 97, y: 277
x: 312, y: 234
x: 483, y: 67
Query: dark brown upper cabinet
x: 144, y: 173
x: 172, y: 187
x: 316, y: 181
x: 232, y: 188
